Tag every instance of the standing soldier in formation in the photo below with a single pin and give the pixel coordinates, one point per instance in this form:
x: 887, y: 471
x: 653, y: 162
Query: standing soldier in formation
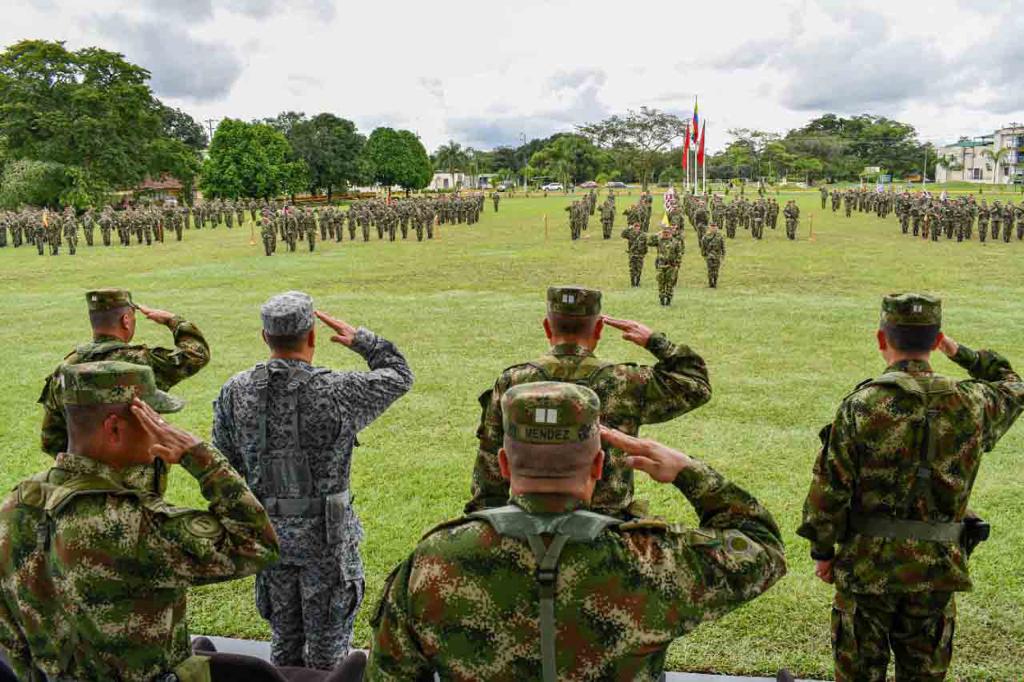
x: 792, y: 212
x: 997, y: 219
x: 713, y: 248
x: 268, y: 233
x: 983, y: 216
x: 112, y: 318
x: 89, y: 225
x: 607, y: 218
x: 289, y: 428
x: 636, y: 247
x: 670, y: 249
x: 604, y: 598
x: 69, y: 226
x: 495, y: 197
x: 891, y: 487
x: 824, y: 196
x: 631, y: 395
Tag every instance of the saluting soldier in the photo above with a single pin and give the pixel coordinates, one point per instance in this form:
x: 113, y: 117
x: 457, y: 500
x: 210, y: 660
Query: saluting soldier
x: 887, y: 510
x: 631, y: 394
x: 558, y: 591
x: 289, y: 428
x: 112, y: 318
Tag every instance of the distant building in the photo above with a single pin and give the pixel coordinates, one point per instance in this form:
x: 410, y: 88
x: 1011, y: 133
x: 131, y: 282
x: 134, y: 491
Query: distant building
x: 460, y: 179
x: 971, y: 159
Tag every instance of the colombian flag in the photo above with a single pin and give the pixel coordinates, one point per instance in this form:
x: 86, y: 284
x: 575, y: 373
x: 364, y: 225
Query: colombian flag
x: 695, y: 126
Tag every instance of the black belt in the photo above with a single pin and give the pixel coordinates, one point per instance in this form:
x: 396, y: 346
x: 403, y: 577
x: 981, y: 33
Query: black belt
x: 305, y: 507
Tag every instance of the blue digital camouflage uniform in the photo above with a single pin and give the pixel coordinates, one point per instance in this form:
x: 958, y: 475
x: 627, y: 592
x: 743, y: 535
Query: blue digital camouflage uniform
x: 298, y: 463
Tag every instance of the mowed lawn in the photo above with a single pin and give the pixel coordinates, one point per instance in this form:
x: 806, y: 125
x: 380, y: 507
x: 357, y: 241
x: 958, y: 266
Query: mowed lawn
x: 789, y: 332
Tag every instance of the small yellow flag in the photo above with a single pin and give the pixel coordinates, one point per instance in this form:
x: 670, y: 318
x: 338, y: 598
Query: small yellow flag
x: 664, y: 220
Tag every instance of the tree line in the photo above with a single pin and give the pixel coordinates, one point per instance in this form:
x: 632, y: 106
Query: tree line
x: 77, y: 125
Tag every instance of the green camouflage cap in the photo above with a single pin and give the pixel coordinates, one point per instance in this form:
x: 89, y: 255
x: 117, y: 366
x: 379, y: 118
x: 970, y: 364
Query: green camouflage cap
x: 550, y: 413
x: 113, y: 383
x: 911, y: 310
x: 109, y: 299
x: 574, y: 301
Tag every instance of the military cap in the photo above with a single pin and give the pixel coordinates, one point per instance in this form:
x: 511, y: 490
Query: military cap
x: 288, y: 314
x: 114, y: 383
x: 574, y: 301
x: 550, y: 413
x: 109, y: 299
x: 911, y: 310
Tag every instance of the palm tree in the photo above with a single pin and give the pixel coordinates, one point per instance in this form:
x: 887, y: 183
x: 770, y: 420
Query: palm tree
x: 997, y: 157
x: 450, y: 156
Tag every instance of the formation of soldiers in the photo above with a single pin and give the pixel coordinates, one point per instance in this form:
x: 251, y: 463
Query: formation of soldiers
x: 669, y: 243
x: 95, y: 564
x: 419, y: 215
x: 933, y: 218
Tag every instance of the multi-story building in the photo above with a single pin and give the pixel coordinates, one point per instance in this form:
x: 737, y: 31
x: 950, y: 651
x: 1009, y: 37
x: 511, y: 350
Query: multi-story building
x: 995, y: 159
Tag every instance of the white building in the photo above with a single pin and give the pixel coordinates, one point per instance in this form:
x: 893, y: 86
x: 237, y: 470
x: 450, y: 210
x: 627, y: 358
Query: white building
x: 973, y: 159
x: 460, y: 179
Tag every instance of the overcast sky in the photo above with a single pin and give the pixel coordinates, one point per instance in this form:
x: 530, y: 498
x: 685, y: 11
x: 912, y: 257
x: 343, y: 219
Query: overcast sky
x: 484, y: 72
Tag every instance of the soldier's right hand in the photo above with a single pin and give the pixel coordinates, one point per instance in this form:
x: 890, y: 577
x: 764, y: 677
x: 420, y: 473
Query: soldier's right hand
x: 661, y: 462
x: 169, y: 442
x: 632, y: 331
x: 949, y: 346
x: 345, y: 334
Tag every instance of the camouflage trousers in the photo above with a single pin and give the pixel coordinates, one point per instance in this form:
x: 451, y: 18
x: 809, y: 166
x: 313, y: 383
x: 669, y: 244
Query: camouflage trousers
x: 667, y: 277
x: 714, y: 265
x: 311, y: 609
x: 606, y: 229
x: 636, y: 268
x: 791, y: 229
x: 982, y: 230
x: 918, y: 628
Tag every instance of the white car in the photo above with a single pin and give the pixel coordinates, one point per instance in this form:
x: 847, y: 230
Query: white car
x: 553, y: 187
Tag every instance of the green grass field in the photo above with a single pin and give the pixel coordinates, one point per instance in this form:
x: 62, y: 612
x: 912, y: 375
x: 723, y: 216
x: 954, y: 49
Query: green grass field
x: 786, y: 336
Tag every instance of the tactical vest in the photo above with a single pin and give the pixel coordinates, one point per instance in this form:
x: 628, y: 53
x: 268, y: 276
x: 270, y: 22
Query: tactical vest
x: 578, y: 526
x: 51, y: 499
x: 930, y: 389
x: 282, y: 477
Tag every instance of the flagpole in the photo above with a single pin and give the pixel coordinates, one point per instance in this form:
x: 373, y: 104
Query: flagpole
x: 704, y: 165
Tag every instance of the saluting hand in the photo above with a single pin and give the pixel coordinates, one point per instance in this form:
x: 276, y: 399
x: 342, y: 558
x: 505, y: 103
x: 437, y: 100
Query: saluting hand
x: 824, y: 570
x: 345, y: 334
x: 159, y: 316
x: 632, y: 331
x: 949, y: 346
x: 171, y: 443
x: 661, y: 462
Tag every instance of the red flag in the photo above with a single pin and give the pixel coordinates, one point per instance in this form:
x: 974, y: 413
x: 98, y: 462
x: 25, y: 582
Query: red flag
x: 700, y: 150
x: 686, y: 146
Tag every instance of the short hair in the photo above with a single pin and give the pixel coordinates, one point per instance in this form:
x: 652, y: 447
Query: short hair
x: 554, y: 460
x: 108, y: 319
x: 573, y: 325
x: 287, y: 343
x: 911, y: 339
x: 83, y: 420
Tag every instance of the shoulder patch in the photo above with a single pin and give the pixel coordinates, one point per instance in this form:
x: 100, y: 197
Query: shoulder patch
x: 203, y: 526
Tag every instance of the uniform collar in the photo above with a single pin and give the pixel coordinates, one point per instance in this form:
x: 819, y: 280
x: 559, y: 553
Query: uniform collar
x: 547, y: 503
x: 570, y: 349
x: 138, y: 477
x: 104, y: 338
x: 911, y: 367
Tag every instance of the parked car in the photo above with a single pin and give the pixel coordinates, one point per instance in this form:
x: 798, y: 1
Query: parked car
x: 615, y: 184
x: 503, y: 187
x: 552, y: 187
x: 589, y: 184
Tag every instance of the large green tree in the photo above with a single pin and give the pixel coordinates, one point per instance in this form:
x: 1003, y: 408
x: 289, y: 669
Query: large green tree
x: 89, y: 110
x: 397, y: 157
x: 331, y: 147
x: 251, y: 160
x: 637, y: 139
x: 569, y: 159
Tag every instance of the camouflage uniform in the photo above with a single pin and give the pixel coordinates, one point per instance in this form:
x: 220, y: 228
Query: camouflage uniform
x: 171, y: 366
x: 268, y: 233
x: 792, y: 213
x: 607, y: 218
x: 289, y: 428
x: 630, y: 394
x: 484, y: 598
x: 95, y: 564
x: 670, y: 249
x: 636, y: 247
x: 713, y: 247
x: 891, y: 487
